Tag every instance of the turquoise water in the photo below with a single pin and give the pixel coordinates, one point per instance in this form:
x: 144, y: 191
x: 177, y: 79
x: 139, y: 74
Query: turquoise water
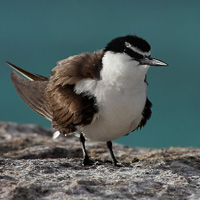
x: 36, y: 34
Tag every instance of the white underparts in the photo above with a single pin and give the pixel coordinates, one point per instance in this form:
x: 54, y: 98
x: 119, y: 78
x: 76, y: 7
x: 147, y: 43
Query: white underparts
x: 120, y: 96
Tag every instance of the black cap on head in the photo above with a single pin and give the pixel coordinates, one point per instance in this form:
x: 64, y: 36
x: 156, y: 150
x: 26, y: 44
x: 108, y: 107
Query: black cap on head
x: 118, y: 45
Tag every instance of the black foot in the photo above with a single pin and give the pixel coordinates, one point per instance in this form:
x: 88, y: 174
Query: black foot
x: 87, y: 162
x: 115, y: 162
x: 86, y: 159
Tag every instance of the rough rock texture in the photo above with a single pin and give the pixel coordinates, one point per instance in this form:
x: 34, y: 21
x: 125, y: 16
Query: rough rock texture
x: 33, y: 166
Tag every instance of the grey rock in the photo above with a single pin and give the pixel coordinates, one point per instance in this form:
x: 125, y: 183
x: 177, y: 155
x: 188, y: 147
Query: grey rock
x: 34, y: 166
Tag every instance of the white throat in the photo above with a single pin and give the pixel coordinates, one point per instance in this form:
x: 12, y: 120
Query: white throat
x: 118, y: 66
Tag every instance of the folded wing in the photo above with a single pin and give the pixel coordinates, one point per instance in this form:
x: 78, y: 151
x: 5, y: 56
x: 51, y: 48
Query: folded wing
x: 72, y: 110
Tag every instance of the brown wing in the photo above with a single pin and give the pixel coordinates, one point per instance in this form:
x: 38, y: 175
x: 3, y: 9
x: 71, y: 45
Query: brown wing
x: 70, y: 109
x: 75, y: 68
x: 32, y: 92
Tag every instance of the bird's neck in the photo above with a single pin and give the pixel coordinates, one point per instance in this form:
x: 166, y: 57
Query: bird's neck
x: 118, y: 67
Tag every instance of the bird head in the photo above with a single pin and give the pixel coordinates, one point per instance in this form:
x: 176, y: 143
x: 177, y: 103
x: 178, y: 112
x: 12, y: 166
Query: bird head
x: 136, y: 48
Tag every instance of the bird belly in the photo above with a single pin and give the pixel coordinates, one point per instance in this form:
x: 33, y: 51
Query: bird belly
x: 120, y: 111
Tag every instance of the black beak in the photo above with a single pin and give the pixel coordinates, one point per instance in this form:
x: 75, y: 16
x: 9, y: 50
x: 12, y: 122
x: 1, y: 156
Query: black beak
x: 152, y: 62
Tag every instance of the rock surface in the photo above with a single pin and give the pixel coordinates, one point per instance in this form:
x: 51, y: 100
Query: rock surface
x: 33, y: 166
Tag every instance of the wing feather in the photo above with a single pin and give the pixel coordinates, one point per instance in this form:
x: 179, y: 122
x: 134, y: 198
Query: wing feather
x: 30, y: 76
x: 33, y: 94
x: 55, y: 98
x: 70, y: 109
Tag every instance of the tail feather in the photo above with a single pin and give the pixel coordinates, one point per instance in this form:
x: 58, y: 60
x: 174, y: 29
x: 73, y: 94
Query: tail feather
x: 32, y: 91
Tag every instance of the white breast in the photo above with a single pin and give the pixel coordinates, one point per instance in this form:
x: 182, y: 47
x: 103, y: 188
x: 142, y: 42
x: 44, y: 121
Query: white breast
x: 120, y: 95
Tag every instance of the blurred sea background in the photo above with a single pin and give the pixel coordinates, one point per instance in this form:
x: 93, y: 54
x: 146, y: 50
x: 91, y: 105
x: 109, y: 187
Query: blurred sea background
x: 36, y: 34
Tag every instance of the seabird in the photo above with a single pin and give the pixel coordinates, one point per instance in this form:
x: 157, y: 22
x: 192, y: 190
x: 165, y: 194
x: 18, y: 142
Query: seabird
x: 100, y: 96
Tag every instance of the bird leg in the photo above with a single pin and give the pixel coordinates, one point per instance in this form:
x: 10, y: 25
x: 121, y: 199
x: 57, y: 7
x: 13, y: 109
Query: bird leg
x: 86, y: 159
x: 109, y: 145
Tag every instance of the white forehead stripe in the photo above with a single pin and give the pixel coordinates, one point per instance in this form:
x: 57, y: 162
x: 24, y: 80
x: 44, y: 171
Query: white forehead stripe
x: 128, y: 45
